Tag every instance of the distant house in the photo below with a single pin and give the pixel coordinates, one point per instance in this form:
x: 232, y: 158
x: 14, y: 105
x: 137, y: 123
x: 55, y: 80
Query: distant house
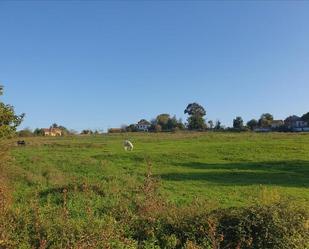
x: 53, y: 132
x: 295, y: 123
x: 275, y: 124
x: 143, y: 125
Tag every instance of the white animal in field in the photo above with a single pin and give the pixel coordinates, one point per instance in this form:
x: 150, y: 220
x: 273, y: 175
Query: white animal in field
x: 127, y: 145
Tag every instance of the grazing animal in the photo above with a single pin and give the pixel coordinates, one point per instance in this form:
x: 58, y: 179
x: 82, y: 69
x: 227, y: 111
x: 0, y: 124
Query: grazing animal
x: 127, y: 145
x: 21, y: 142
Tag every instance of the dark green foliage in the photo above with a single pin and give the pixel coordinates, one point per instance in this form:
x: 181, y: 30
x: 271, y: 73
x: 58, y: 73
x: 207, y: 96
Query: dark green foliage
x: 279, y: 225
x: 238, y: 123
x: 8, y: 119
x: 305, y: 117
x: 218, y: 125
x: 196, y: 123
x: 211, y: 124
x: 86, y: 132
x: 196, y: 113
x: 131, y: 128
x: 147, y: 221
x: 195, y: 109
x: 38, y: 132
x: 265, y: 120
x: 252, y: 124
x: 174, y: 124
x: 164, y: 122
x: 25, y: 133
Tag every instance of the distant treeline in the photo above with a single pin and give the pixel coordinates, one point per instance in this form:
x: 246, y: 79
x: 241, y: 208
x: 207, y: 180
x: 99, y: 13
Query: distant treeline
x: 27, y: 132
x: 196, y: 121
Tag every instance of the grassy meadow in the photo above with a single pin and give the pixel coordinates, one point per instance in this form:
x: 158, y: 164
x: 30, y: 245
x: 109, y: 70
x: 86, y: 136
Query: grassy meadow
x: 230, y: 169
x: 86, y: 184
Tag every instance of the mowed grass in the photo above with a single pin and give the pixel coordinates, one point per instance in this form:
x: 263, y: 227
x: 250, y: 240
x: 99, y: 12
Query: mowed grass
x: 230, y: 169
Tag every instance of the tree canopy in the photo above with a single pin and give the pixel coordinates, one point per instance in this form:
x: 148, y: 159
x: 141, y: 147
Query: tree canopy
x: 211, y: 124
x: 305, y: 117
x: 252, y: 124
x: 218, y: 125
x: 164, y: 122
x: 265, y: 120
x: 196, y: 113
x: 238, y: 123
x: 8, y: 119
x: 195, y: 109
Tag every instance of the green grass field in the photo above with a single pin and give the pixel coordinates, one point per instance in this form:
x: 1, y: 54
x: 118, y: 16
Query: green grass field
x: 230, y: 169
x: 173, y: 191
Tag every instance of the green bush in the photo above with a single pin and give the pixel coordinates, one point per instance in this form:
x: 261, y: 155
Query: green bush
x: 146, y: 220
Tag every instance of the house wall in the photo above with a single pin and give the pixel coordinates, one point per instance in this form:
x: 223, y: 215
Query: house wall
x: 143, y: 127
x: 300, y: 123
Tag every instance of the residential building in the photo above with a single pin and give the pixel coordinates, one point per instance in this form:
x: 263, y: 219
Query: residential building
x: 275, y: 124
x: 143, y: 125
x: 53, y: 132
x: 295, y: 123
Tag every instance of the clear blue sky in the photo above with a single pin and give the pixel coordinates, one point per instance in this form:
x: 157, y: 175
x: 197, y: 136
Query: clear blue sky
x: 99, y: 64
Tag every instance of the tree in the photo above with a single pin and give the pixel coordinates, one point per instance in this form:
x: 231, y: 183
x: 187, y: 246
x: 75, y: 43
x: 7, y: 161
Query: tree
x: 163, y: 120
x: 211, y: 124
x: 38, y: 132
x: 172, y: 123
x: 238, y: 123
x: 8, y: 119
x: 196, y: 113
x: 131, y: 128
x: 25, y: 133
x: 194, y: 109
x: 166, y: 123
x: 305, y: 117
x: 86, y: 132
x: 265, y: 120
x: 252, y: 124
x: 218, y: 125
x: 180, y: 124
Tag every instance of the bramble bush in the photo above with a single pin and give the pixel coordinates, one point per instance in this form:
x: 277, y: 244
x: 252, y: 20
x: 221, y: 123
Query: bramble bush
x: 146, y: 220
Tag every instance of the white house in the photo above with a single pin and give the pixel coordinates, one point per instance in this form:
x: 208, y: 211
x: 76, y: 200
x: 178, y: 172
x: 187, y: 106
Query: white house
x: 143, y: 125
x: 275, y: 124
x: 295, y: 122
x: 54, y: 132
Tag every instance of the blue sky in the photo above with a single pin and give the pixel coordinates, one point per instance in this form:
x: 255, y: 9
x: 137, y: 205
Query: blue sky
x: 100, y: 64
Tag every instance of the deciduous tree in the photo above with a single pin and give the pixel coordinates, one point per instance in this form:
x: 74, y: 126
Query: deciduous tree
x: 238, y: 123
x: 305, y: 117
x: 196, y: 113
x: 8, y: 119
x: 252, y: 124
x: 265, y: 120
x: 211, y: 124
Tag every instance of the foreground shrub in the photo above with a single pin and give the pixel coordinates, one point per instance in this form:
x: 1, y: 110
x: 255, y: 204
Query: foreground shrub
x: 280, y: 226
x: 146, y: 220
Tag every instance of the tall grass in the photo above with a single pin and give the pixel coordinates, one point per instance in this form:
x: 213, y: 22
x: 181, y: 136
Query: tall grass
x: 5, y: 195
x: 147, y: 220
x: 63, y: 210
